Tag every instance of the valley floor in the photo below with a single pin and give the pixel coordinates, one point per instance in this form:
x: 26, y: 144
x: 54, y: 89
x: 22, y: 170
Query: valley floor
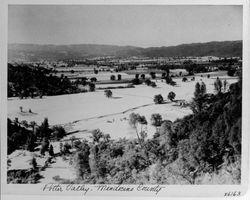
x: 82, y: 113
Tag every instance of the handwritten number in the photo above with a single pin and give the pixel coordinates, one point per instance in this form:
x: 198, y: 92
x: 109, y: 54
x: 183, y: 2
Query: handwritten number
x: 232, y: 194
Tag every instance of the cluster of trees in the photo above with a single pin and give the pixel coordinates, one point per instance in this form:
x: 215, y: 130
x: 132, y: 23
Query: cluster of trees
x: 193, y: 68
x: 24, y: 135
x: 158, y: 99
x: 197, y: 149
x: 28, y: 81
x: 113, y: 78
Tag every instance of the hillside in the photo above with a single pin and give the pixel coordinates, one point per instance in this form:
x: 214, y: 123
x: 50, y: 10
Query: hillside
x: 35, y: 52
x: 219, y: 49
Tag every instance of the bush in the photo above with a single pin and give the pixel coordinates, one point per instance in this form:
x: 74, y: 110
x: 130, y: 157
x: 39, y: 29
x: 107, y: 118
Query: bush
x: 58, y: 132
x: 158, y: 99
x: 173, y: 83
x: 153, y: 84
x: 168, y: 79
x: 112, y: 77
x: 108, y: 93
x: 171, y: 96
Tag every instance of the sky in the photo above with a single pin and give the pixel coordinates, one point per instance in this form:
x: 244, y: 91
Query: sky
x: 143, y: 25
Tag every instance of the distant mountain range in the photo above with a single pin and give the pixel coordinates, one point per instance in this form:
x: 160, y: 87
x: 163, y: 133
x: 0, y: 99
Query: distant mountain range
x: 35, y: 52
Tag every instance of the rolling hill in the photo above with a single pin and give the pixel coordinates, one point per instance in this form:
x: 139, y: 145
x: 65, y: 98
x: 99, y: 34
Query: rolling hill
x: 35, y: 52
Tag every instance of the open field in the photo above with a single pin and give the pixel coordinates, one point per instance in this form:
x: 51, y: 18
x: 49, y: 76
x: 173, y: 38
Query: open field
x: 82, y: 113
x: 88, y: 111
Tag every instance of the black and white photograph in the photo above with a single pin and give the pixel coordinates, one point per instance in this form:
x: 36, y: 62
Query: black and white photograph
x: 122, y: 95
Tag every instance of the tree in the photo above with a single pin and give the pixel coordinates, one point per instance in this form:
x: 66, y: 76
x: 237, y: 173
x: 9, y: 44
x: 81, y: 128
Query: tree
x: 231, y: 72
x: 147, y: 82
x: 84, y: 81
x: 152, y: 74
x: 25, y: 123
x: 225, y: 84
x: 112, y: 77
x: 21, y: 109
x: 96, y: 135
x: 91, y: 87
x: 108, y: 93
x: 44, y: 129
x: 168, y: 72
x: 58, y: 132
x: 66, y: 148
x: 171, y: 96
x: 33, y: 125
x: 72, y: 139
x: 167, y: 136
x: 158, y: 99
x: 93, y: 79
x: 51, y: 150
x: 44, y: 145
x: 137, y: 76
x: 81, y: 162
x: 134, y: 120
x: 197, y: 90
x: 136, y: 81
x: 200, y: 97
x: 156, y: 119
x: 31, y: 142
x: 190, y: 68
x: 33, y: 163
x: 218, y: 85
x: 203, y: 88
x: 184, y: 79
x: 119, y: 77
x: 61, y: 147
x: 168, y: 80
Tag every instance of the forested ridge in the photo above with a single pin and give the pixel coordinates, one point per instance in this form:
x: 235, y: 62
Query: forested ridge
x: 35, y: 52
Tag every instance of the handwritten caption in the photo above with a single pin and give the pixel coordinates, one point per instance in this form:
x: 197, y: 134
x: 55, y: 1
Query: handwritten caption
x: 86, y: 189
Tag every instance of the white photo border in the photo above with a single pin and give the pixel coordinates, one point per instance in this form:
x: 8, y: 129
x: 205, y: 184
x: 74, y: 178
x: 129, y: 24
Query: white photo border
x: 170, y: 190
